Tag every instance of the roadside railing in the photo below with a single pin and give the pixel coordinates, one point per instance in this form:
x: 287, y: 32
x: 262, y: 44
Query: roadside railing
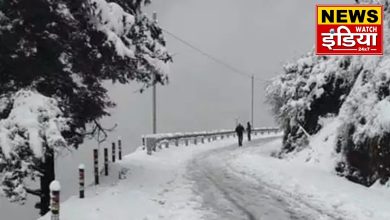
x: 151, y: 142
x: 154, y: 141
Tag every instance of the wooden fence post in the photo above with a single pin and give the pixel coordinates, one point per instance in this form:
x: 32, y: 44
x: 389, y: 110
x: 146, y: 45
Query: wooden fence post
x: 81, y: 181
x: 96, y: 165
x: 55, y: 189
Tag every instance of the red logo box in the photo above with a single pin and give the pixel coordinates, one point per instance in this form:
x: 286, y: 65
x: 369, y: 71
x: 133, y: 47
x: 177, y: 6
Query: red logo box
x: 349, y: 30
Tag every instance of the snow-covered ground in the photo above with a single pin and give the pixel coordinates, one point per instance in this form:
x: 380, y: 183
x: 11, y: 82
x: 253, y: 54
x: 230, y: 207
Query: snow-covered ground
x: 218, y: 180
x: 155, y: 187
x: 333, y: 196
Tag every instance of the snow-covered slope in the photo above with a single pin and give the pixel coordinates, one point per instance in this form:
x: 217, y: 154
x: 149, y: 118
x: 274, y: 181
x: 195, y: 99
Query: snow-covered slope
x: 315, y: 188
x: 355, y: 91
x: 321, y: 151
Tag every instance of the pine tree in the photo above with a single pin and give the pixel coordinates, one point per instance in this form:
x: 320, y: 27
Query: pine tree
x: 310, y: 88
x: 355, y: 91
x: 62, y: 51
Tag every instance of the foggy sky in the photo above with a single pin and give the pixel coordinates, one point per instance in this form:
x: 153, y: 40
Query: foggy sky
x: 256, y: 36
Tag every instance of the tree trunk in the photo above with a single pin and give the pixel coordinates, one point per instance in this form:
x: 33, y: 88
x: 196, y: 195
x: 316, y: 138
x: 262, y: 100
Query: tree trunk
x: 47, y: 177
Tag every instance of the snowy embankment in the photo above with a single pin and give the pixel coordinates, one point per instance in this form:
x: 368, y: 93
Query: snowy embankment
x: 154, y: 187
x: 309, y: 177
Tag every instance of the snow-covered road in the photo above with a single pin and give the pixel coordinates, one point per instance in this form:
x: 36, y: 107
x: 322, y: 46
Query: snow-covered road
x: 219, y: 181
x: 235, y: 194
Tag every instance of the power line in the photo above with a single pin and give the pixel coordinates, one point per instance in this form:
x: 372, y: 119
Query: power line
x: 222, y: 63
x: 208, y: 55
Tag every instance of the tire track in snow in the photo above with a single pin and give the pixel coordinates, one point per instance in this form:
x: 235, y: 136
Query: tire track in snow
x: 227, y: 195
x: 232, y: 194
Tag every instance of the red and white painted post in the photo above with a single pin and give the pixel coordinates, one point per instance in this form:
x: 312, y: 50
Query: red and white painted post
x: 82, y: 180
x: 113, y: 152
x: 119, y: 148
x: 55, y: 189
x: 96, y: 165
x: 106, y: 161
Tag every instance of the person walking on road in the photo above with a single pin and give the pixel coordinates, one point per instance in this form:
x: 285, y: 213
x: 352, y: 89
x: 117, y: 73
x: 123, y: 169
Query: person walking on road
x: 240, y: 132
x: 249, y: 130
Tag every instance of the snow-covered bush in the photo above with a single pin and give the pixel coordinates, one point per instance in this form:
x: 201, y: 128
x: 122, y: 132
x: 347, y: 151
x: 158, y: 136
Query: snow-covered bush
x: 364, y: 138
x: 309, y: 88
x: 356, y: 90
x: 32, y: 127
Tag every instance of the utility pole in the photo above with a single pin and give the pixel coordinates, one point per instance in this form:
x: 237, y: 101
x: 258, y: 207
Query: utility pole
x: 154, y: 90
x: 252, y: 99
x: 154, y: 106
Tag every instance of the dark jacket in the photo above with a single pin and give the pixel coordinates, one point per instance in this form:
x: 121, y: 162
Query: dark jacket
x: 240, y: 130
x: 249, y: 128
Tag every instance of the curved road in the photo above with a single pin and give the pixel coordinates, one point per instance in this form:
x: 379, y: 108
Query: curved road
x: 231, y: 194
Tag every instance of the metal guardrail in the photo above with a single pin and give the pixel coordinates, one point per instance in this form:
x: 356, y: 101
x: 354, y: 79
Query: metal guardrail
x: 152, y: 141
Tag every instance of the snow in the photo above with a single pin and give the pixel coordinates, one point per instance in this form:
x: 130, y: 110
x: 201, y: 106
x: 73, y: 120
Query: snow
x: 4, y: 101
x: 160, y: 187
x: 383, y: 116
x: 112, y: 20
x: 352, y: 89
x: 38, y: 117
x: 82, y: 167
x: 33, y: 122
x: 310, y: 184
x: 321, y: 149
x: 200, y: 133
x: 154, y: 187
x: 55, y: 186
x: 122, y: 28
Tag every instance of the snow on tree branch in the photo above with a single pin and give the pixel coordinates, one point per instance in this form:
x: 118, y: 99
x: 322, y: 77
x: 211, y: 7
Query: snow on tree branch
x: 355, y: 91
x: 131, y: 35
x: 34, y: 123
x: 111, y: 19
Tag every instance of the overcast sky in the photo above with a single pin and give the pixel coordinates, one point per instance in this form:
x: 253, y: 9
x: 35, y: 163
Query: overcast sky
x: 256, y: 36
